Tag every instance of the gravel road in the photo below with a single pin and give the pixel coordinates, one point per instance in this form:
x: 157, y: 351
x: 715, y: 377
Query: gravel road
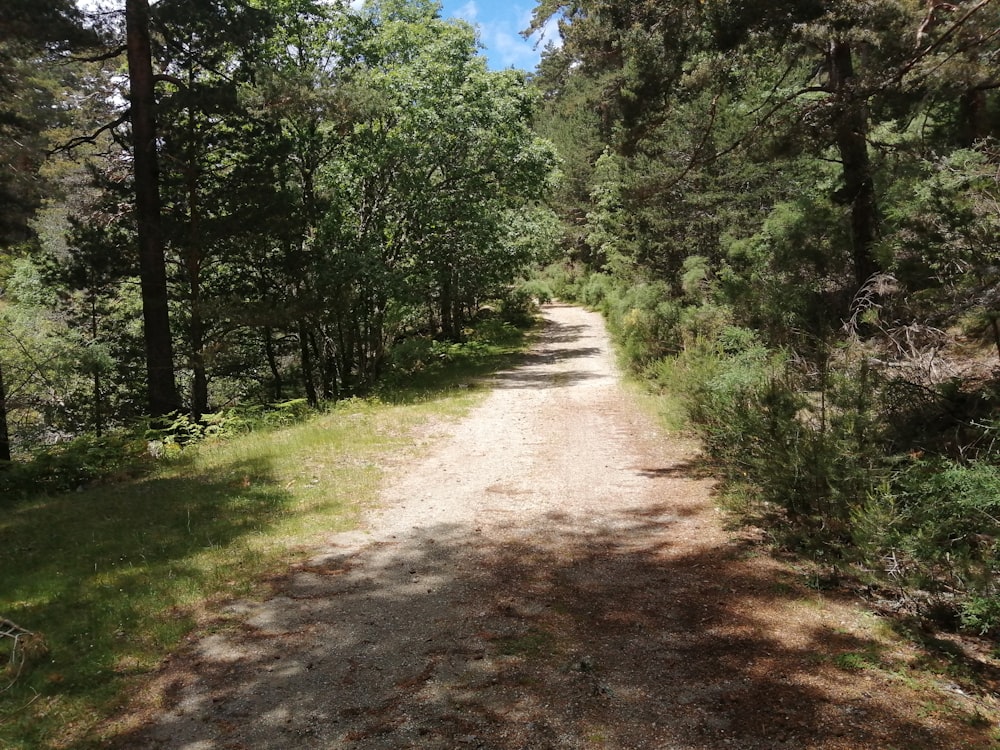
x: 551, y: 573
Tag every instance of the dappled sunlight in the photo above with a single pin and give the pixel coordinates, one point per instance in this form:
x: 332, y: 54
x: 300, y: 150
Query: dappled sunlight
x: 517, y: 640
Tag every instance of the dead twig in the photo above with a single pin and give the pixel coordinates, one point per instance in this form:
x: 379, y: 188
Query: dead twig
x: 15, y: 632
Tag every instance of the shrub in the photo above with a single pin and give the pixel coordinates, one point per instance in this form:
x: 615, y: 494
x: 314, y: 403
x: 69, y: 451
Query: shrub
x: 411, y: 355
x: 518, y: 307
x: 644, y: 322
x: 538, y: 289
x: 938, y: 521
x: 74, y: 464
x: 805, y: 449
x: 596, y: 290
x: 564, y: 280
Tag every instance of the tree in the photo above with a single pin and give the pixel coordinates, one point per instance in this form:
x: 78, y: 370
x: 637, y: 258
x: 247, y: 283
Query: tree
x: 424, y: 184
x: 163, y: 394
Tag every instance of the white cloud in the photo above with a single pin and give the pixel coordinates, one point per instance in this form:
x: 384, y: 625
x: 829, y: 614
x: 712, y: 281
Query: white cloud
x: 507, y: 49
x: 468, y: 12
x: 549, y: 34
x: 505, y: 46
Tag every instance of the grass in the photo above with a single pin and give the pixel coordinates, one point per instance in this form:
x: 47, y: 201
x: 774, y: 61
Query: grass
x: 856, y: 661
x: 112, y: 578
x: 532, y: 644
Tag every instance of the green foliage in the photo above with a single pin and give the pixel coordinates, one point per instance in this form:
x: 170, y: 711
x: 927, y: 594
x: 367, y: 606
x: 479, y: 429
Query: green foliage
x: 938, y: 522
x: 948, y: 204
x: 596, y: 290
x: 75, y: 464
x: 564, y: 279
x: 645, y: 322
x: 86, y: 460
x: 787, y: 213
x: 788, y: 278
x: 518, y: 307
x: 537, y: 289
x: 421, y: 367
x: 331, y: 179
x: 113, y: 577
x: 981, y: 614
x: 806, y: 451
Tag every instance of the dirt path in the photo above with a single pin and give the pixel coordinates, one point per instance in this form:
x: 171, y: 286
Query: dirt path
x: 551, y: 575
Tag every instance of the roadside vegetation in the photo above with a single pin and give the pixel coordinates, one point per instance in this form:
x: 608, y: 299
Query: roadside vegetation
x: 789, y: 218
x: 244, y: 247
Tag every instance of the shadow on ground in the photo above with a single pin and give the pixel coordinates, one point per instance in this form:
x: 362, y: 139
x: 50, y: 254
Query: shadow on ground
x: 105, y: 577
x: 562, y: 631
x: 604, y: 637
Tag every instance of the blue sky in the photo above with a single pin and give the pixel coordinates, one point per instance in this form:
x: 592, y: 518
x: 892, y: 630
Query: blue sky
x: 500, y: 23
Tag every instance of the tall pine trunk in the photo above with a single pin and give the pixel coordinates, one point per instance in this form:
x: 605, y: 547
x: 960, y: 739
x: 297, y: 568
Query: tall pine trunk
x: 96, y: 375
x: 973, y: 114
x: 852, y: 143
x: 307, y: 365
x: 161, y: 382
x: 193, y: 264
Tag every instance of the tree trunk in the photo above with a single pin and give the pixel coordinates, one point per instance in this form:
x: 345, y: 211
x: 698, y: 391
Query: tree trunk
x: 4, y: 430
x: 852, y: 143
x: 307, y: 366
x: 193, y: 265
x: 199, y: 379
x: 328, y: 366
x: 346, y: 355
x: 162, y: 384
x: 98, y: 414
x: 272, y: 363
x: 447, y: 308
x: 973, y: 113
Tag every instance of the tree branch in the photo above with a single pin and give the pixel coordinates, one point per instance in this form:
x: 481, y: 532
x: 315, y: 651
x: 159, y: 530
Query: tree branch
x: 940, y: 41
x: 92, y: 137
x: 166, y: 78
x: 110, y: 55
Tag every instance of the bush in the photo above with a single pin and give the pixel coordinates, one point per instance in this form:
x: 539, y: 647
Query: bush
x: 644, y: 322
x: 938, y: 521
x: 596, y: 290
x: 564, y: 280
x: 538, y: 290
x: 518, y: 307
x: 805, y: 449
x: 74, y: 464
x: 411, y: 355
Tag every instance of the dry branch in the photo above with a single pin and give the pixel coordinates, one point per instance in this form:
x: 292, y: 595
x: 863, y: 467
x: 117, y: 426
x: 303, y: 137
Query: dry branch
x: 92, y: 137
x: 18, y: 657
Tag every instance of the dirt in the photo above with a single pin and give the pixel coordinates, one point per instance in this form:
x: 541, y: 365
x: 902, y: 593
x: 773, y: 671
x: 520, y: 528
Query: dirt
x: 552, y: 573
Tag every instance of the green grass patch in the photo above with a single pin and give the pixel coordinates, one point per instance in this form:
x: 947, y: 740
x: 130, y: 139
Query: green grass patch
x: 857, y: 661
x: 111, y: 578
x: 532, y: 644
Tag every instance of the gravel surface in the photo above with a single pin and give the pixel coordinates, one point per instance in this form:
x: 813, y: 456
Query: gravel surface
x: 552, y: 573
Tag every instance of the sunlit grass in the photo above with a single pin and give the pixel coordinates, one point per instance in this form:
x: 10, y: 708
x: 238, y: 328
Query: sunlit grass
x: 113, y: 577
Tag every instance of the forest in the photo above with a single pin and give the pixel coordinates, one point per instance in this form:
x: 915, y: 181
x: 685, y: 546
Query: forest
x: 788, y: 212
x: 790, y: 215
x: 215, y: 204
